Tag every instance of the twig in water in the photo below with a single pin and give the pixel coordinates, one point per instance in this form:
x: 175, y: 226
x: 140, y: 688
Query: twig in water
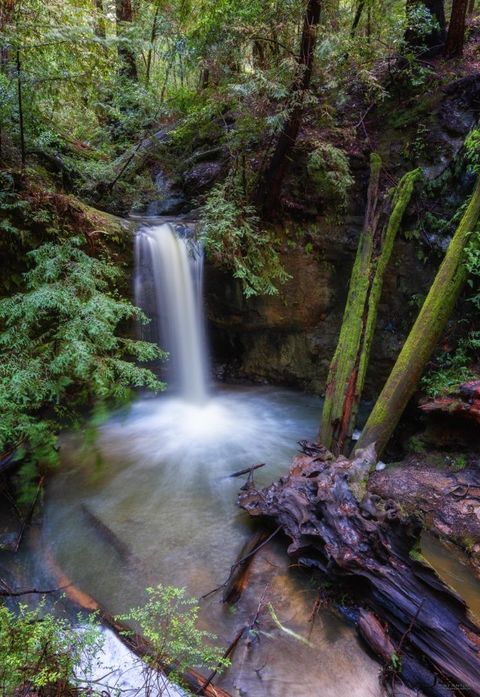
x: 241, y: 561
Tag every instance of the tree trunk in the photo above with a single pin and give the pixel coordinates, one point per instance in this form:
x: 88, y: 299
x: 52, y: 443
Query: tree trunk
x: 153, y: 37
x: 269, y: 189
x: 357, y: 18
x: 424, y: 335
x: 424, y: 637
x: 99, y: 25
x: 456, y: 29
x: 124, y: 17
x: 346, y: 376
x: 471, y: 7
x: 431, y: 44
x: 21, y: 125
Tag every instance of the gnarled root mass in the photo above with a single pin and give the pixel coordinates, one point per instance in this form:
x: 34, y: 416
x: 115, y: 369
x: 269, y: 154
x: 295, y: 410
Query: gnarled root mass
x: 414, y: 623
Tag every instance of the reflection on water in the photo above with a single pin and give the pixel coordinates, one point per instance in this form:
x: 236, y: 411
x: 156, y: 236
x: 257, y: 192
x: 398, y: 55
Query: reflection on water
x: 162, y: 492
x: 452, y: 567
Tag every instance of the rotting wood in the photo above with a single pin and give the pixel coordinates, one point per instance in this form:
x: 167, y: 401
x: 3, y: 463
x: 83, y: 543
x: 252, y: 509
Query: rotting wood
x: 464, y: 402
x: 336, y: 528
x: 134, y: 641
x: 448, y: 501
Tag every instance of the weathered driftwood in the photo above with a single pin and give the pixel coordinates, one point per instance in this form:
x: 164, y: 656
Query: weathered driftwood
x: 336, y: 527
x: 448, y: 501
x: 135, y: 642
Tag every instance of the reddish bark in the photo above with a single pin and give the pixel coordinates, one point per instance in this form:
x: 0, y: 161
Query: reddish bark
x: 456, y: 29
x: 124, y: 15
x: 269, y: 190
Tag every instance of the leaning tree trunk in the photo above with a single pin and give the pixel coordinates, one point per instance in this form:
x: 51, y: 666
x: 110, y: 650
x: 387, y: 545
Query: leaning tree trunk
x: 424, y: 335
x: 270, y: 185
x: 124, y: 17
x: 430, y: 44
x: 456, y: 29
x: 346, y: 375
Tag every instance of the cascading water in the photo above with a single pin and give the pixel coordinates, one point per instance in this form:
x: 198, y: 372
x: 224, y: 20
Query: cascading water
x: 168, y: 287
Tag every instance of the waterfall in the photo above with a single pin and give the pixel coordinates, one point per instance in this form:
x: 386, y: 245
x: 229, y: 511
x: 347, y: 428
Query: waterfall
x: 168, y: 287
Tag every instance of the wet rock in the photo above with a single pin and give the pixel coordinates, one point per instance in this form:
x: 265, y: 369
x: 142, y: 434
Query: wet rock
x: 201, y: 177
x: 290, y: 338
x: 172, y: 205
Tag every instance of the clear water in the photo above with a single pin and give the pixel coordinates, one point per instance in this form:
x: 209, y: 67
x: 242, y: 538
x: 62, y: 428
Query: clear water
x: 158, y: 479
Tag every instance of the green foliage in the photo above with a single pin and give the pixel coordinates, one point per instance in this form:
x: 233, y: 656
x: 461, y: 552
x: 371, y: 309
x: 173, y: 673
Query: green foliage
x: 450, y: 371
x: 328, y: 169
x: 61, y: 351
x: 234, y: 238
x: 40, y: 652
x: 169, y: 622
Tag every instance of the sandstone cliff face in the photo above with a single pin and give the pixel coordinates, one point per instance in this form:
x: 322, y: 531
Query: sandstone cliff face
x: 290, y: 338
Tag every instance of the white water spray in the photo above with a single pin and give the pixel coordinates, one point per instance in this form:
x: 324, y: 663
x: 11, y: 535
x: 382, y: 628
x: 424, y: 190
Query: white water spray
x: 168, y: 287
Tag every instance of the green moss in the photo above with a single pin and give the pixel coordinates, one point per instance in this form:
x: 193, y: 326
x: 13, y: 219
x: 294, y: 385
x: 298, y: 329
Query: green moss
x: 349, y: 364
x: 424, y: 335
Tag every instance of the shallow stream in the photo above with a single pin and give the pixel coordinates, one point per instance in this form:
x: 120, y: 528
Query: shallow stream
x: 157, y: 478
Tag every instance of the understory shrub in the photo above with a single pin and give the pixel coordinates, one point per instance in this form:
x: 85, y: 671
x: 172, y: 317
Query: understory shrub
x: 39, y: 653
x: 328, y: 169
x: 234, y: 238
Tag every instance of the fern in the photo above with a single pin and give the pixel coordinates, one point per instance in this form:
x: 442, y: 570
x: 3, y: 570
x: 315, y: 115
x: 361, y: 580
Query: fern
x: 61, y: 351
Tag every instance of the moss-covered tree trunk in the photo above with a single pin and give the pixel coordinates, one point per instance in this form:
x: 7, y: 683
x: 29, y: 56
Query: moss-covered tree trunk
x: 424, y: 334
x: 346, y: 376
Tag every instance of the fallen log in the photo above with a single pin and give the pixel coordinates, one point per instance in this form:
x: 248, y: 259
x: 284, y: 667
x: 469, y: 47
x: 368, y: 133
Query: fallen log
x: 107, y: 534
x: 465, y: 402
x: 134, y: 641
x: 448, y: 501
x: 238, y: 578
x: 336, y: 527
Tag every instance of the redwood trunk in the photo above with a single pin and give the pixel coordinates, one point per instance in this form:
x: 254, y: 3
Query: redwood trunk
x: 124, y: 16
x: 269, y: 190
x: 456, y: 29
x: 346, y: 375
